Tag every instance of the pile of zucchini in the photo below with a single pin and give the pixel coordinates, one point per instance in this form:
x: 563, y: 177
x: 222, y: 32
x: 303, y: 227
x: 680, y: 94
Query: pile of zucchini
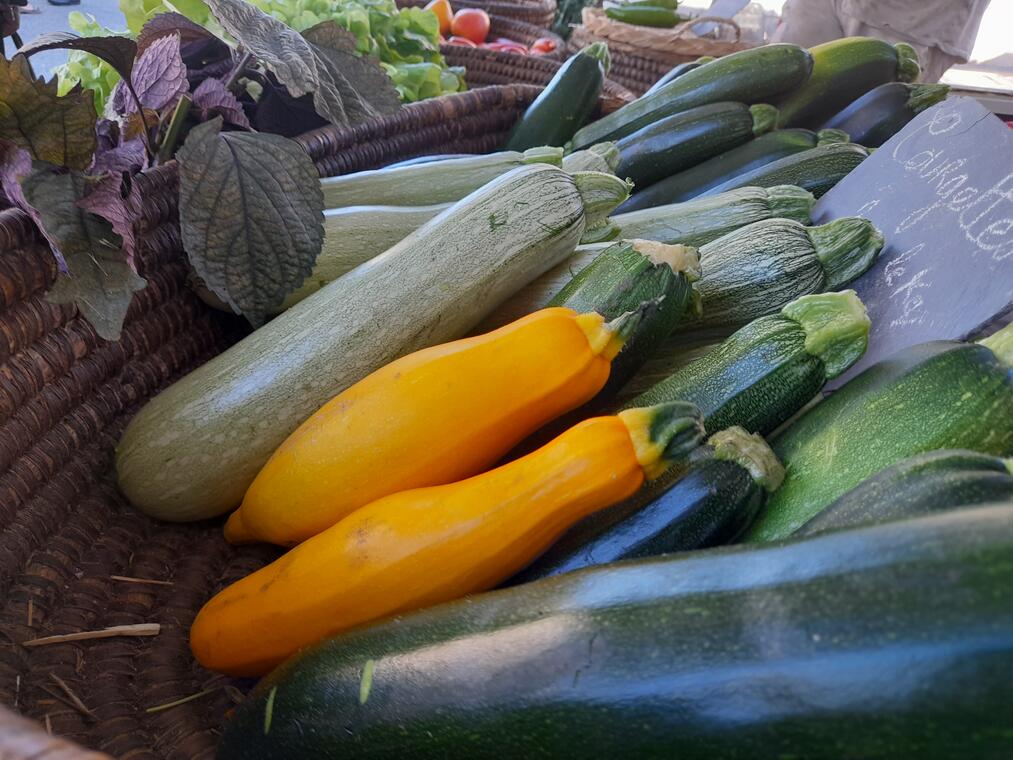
x: 485, y: 389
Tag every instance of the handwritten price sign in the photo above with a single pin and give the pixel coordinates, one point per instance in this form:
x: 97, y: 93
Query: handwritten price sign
x: 941, y: 191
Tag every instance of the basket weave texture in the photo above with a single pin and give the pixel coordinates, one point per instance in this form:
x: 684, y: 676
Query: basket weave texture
x: 68, y: 538
x: 642, y: 55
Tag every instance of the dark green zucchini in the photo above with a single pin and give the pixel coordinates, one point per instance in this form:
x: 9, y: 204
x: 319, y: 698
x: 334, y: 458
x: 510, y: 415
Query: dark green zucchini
x: 644, y: 15
x: 696, y: 180
x: 710, y: 505
x: 677, y: 71
x: 678, y: 142
x: 749, y: 76
x: 920, y: 485
x: 816, y: 170
x: 880, y: 643
x: 943, y: 394
x: 881, y: 113
x: 757, y: 269
x: 844, y: 70
x: 566, y: 102
x: 623, y: 278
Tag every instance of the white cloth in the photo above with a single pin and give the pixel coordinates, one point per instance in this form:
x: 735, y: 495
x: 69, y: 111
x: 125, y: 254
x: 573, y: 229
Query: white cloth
x: 930, y: 26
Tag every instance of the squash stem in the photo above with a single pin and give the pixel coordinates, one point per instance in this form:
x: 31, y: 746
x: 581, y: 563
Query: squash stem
x: 600, y: 51
x: 926, y: 95
x: 908, y: 69
x: 680, y: 258
x: 663, y: 434
x: 751, y: 453
x: 600, y: 193
x: 789, y: 202
x: 764, y: 118
x: 830, y: 135
x: 846, y: 248
x: 836, y: 328
x: 545, y: 154
x: 1001, y: 344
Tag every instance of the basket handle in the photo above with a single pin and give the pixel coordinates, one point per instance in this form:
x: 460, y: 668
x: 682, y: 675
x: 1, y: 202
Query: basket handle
x: 685, y: 26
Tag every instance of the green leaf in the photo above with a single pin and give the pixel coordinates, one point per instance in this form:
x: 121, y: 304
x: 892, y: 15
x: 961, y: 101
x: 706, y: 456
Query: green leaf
x: 251, y: 214
x: 346, y: 89
x: 58, y: 130
x: 99, y: 280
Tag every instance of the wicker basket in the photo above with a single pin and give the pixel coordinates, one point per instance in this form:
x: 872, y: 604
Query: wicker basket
x: 642, y: 55
x: 74, y: 556
x: 538, y: 12
x: 489, y: 67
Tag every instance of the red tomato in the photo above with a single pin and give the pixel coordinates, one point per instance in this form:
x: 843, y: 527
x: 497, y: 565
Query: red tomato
x: 543, y: 45
x: 461, y: 41
x: 472, y: 23
x: 444, y: 13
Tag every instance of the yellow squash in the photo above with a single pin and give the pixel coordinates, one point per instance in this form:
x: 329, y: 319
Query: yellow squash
x: 434, y: 416
x: 429, y: 545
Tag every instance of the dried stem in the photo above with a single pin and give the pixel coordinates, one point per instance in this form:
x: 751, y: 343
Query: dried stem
x: 151, y: 581
x: 74, y: 699
x: 183, y: 700
x: 141, y: 629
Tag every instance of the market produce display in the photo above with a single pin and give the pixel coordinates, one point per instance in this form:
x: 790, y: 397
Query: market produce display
x: 450, y: 540
x: 576, y: 370
x: 938, y: 395
x: 882, y: 642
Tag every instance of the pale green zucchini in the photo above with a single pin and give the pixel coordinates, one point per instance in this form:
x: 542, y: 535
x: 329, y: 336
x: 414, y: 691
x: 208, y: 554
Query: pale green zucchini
x: 757, y: 269
x: 429, y: 183
x: 702, y: 220
x: 193, y: 450
x: 354, y: 235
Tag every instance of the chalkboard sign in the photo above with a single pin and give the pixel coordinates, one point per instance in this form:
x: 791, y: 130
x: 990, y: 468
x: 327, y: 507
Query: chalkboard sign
x: 941, y: 191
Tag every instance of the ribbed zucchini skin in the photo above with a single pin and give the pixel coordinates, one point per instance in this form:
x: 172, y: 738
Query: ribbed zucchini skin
x: 355, y: 234
x: 683, y: 140
x: 816, y: 170
x: 883, y: 112
x: 702, y: 220
x: 689, y: 183
x: 936, y: 481
x: 844, y: 70
x: 893, y: 641
x: 565, y: 104
x: 942, y: 394
x: 709, y: 505
x: 749, y: 76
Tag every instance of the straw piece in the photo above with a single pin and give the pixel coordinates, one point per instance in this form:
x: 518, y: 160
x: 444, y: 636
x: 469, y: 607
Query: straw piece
x: 182, y: 701
x: 74, y: 700
x: 141, y: 629
x: 151, y: 581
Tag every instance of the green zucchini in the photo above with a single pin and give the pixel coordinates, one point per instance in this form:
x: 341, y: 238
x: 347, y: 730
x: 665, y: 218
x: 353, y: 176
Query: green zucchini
x: 764, y: 373
x: 748, y: 76
x: 685, y: 139
x: 844, y: 70
x: 356, y: 234
x: 600, y: 157
x: 881, y: 113
x: 759, y: 268
x: 711, y: 504
x: 677, y: 71
x: 816, y: 170
x: 936, y: 481
x: 644, y: 15
x: 566, y: 102
x: 761, y: 151
x: 192, y: 451
x: 702, y: 220
x: 887, y: 642
x: 943, y: 394
x: 426, y: 184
